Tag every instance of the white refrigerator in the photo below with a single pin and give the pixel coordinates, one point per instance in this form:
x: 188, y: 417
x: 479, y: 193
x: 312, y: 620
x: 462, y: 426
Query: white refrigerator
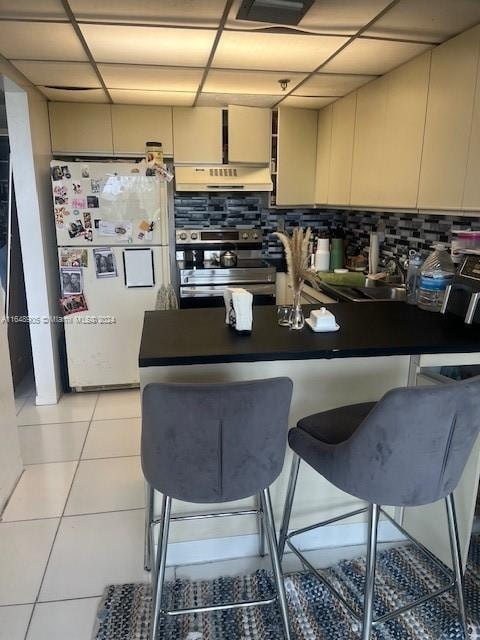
x: 112, y: 235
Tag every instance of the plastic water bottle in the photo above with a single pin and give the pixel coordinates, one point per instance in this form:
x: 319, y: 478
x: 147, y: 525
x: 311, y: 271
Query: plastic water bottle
x: 415, y: 261
x: 435, y: 275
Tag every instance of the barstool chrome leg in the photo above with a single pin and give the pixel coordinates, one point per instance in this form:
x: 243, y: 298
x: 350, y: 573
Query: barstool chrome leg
x: 373, y: 514
x: 277, y: 568
x: 148, y: 553
x: 287, y: 510
x: 456, y: 559
x: 261, y: 528
x: 161, y: 561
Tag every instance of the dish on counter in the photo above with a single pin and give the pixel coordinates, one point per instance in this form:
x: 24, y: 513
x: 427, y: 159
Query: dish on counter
x: 321, y: 330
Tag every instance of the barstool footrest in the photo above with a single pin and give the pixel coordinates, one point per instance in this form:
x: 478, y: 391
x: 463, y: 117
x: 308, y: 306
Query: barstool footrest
x: 204, y: 516
x: 358, y: 616
x: 220, y: 607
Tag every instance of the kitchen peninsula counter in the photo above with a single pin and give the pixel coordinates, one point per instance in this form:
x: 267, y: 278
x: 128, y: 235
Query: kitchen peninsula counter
x: 200, y: 336
x: 379, y: 346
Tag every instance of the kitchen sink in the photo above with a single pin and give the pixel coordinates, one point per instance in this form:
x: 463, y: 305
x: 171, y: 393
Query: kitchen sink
x: 385, y: 293
x: 372, y: 291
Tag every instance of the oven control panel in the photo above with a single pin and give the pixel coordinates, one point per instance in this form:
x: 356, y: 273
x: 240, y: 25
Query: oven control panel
x: 218, y: 236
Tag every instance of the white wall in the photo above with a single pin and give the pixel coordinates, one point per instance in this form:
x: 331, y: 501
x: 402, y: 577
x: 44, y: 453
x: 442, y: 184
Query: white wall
x: 29, y: 136
x: 10, y: 462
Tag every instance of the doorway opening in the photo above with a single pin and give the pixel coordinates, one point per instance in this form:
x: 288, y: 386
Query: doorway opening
x: 11, y: 270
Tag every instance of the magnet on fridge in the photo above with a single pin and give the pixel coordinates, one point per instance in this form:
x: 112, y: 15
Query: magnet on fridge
x: 79, y: 203
x: 92, y: 202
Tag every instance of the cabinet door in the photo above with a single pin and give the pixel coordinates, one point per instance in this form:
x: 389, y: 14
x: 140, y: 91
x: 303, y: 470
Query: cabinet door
x: 80, y: 127
x: 324, y: 140
x: 407, y: 91
x: 249, y: 134
x: 343, y: 131
x: 448, y: 122
x: 471, y: 194
x: 297, y: 150
x: 197, y: 135
x: 368, y: 143
x: 133, y: 126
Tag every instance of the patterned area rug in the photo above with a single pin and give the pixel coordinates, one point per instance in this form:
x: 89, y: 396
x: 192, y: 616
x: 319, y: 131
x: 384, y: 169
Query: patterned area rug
x: 402, y: 575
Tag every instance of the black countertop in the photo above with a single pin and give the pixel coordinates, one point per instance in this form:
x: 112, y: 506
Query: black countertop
x: 200, y: 336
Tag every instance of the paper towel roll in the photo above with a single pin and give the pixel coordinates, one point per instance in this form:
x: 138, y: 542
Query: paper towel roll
x: 373, y: 254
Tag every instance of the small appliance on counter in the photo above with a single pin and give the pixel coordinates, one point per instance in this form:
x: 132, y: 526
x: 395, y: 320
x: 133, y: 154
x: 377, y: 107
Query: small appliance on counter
x: 230, y: 257
x: 462, y: 296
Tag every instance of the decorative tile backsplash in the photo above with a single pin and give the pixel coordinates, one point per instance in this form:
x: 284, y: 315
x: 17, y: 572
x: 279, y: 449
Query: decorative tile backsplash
x: 205, y: 210
x: 402, y: 231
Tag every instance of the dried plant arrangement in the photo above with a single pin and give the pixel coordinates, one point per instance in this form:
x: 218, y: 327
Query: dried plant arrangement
x: 296, y: 254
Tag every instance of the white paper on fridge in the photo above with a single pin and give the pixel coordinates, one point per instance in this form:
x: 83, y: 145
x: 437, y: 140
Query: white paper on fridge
x: 138, y: 265
x: 121, y: 230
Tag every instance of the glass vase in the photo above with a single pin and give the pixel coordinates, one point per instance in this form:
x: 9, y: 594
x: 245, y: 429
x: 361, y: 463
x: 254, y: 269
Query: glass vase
x: 297, y: 319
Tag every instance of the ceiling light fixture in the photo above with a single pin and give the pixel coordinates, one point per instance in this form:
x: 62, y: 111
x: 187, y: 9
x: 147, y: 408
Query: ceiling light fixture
x: 274, y: 11
x: 284, y: 83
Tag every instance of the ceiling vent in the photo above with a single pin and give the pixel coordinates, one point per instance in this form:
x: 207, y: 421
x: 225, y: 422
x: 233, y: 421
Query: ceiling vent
x: 274, y: 11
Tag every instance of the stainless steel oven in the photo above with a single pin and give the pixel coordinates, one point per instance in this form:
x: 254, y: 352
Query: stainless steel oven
x: 203, y: 284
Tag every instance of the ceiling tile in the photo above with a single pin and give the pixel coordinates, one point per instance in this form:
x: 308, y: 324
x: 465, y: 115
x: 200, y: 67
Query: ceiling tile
x: 252, y: 82
x: 373, y: 57
x: 33, y: 9
x: 206, y: 13
x: 306, y: 102
x: 325, y: 16
x: 183, y: 99
x: 60, y: 74
x: 149, y: 45
x: 274, y: 51
x: 124, y: 76
x: 39, y: 41
x: 331, y: 84
x: 80, y: 95
x: 430, y: 20
x: 224, y: 99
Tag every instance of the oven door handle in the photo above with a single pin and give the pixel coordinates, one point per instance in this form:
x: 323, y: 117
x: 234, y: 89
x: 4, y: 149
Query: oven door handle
x: 203, y: 291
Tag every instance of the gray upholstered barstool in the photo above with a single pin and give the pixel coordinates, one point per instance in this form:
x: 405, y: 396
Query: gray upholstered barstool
x: 213, y: 443
x: 407, y: 450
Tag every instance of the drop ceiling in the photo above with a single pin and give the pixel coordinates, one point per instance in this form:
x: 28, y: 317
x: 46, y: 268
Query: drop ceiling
x: 196, y: 52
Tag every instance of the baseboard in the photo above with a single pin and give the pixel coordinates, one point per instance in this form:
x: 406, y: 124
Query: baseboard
x: 216, y: 549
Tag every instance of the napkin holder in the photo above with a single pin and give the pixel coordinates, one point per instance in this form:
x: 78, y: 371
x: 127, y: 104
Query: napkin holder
x: 238, y: 309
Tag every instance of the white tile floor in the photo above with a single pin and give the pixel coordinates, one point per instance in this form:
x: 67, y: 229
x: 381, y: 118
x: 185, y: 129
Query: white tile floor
x: 75, y: 521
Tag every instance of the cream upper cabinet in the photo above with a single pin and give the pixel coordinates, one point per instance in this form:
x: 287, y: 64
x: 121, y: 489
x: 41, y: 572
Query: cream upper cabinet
x: 449, y: 122
x: 133, y: 126
x: 368, y: 143
x: 343, y: 131
x: 197, y: 135
x: 81, y: 127
x: 407, y: 91
x: 471, y: 194
x: 297, y: 150
x: 324, y: 140
x: 249, y: 134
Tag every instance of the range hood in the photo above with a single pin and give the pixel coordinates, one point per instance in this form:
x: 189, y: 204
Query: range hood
x: 227, y: 177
